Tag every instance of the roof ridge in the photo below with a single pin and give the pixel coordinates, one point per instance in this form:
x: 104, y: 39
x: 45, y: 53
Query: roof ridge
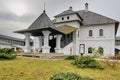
x: 98, y: 14
x: 11, y: 37
x: 65, y: 12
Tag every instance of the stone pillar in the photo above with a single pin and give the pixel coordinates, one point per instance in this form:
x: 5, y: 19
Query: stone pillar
x: 46, y: 47
x: 58, y: 43
x: 15, y: 48
x: 27, y: 42
x: 37, y: 43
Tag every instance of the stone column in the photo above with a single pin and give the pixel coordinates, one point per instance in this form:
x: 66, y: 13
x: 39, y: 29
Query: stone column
x: 27, y: 42
x: 46, y: 47
x: 58, y: 43
x: 37, y: 43
x: 15, y: 48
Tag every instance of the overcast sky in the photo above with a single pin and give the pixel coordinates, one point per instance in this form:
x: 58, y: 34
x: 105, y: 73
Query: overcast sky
x: 19, y: 14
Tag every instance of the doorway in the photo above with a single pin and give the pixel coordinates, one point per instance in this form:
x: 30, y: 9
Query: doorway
x: 52, y: 44
x: 82, y: 49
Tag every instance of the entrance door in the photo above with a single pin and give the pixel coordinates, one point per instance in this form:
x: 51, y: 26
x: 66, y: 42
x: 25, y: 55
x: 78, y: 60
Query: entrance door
x: 52, y: 44
x: 82, y: 49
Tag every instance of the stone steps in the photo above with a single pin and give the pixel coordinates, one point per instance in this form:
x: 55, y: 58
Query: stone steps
x: 43, y: 55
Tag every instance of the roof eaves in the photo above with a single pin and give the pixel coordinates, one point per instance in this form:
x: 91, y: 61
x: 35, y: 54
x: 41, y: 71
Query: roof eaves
x: 68, y: 21
x: 64, y: 14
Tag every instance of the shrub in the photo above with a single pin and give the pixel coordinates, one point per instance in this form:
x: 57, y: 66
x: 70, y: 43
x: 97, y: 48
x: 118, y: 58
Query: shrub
x: 86, y: 62
x: 6, y: 50
x: 98, y: 52
x: 7, y: 53
x: 7, y: 56
x: 68, y: 76
x: 71, y: 57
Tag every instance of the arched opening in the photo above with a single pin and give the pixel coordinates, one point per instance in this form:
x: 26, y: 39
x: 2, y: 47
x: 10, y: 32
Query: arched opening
x: 101, y: 50
x: 52, y: 44
x: 90, y: 50
x: 101, y: 32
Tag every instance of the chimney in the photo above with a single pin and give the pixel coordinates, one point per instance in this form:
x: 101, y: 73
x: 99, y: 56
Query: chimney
x: 70, y: 8
x: 86, y: 7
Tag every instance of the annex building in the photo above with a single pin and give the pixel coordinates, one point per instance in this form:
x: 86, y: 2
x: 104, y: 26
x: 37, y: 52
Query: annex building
x: 11, y: 42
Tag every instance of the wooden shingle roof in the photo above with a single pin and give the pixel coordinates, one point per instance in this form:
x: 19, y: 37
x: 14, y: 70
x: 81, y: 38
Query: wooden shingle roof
x: 43, y: 21
x: 92, y: 18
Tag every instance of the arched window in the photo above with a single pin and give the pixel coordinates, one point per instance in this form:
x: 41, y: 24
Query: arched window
x: 68, y: 17
x: 62, y: 18
x: 101, y: 50
x: 90, y: 33
x: 78, y: 33
x: 101, y: 32
x: 90, y: 50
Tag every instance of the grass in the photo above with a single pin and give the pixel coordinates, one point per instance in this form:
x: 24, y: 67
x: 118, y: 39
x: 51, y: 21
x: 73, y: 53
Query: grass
x: 36, y: 69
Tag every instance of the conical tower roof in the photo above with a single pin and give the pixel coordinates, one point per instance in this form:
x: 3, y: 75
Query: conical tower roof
x: 43, y: 21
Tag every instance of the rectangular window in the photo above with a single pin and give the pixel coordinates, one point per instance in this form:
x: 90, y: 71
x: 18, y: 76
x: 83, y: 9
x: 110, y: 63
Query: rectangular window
x: 90, y: 33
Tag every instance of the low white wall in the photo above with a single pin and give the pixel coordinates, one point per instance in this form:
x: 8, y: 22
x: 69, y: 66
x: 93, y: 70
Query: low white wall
x: 5, y: 46
x: 68, y: 49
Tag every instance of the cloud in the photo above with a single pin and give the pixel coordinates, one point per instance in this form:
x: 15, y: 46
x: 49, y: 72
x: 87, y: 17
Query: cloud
x: 9, y: 22
x: 6, y: 16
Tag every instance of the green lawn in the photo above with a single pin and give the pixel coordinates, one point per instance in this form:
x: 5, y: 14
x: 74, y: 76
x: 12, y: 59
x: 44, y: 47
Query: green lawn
x: 36, y: 69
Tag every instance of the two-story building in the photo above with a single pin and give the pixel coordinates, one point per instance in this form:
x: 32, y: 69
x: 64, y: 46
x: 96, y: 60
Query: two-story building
x: 72, y: 32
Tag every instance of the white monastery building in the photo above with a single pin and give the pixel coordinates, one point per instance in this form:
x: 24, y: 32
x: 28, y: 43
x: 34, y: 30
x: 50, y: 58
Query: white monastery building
x: 11, y: 42
x: 72, y: 32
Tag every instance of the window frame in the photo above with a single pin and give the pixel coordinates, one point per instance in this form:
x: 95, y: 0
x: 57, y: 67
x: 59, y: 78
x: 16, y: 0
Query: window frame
x: 100, y: 32
x: 89, y: 50
x: 62, y: 18
x: 90, y: 33
x: 101, y: 49
x: 68, y: 17
x: 83, y: 48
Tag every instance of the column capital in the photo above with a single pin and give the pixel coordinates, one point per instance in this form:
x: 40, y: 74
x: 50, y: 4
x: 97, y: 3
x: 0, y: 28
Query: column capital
x: 46, y: 32
x: 27, y: 34
x: 59, y: 35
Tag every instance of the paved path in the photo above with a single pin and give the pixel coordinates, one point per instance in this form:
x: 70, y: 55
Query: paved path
x: 108, y: 60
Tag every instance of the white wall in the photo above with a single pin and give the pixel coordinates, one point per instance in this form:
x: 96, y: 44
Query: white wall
x: 71, y: 17
x: 4, y: 45
x: 66, y: 49
x: 107, y: 41
x: 73, y: 24
x: 70, y: 23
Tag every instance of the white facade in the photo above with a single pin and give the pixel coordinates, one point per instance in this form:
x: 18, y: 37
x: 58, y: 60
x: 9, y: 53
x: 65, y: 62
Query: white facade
x: 107, y: 41
x: 71, y: 17
x: 5, y: 45
x: 81, y: 37
x: 86, y: 30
